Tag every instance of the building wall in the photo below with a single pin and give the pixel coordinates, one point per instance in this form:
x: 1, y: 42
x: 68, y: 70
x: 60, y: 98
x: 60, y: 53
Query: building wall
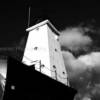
x: 43, y: 50
x: 56, y: 59
x: 37, y: 49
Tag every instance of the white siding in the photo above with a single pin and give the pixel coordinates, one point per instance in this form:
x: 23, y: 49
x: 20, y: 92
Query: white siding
x: 42, y: 48
x: 37, y: 49
x: 56, y: 58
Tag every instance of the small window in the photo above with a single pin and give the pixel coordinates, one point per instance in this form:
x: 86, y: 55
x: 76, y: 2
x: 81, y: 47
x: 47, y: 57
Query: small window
x: 54, y: 66
x: 35, y: 48
x: 37, y: 28
x: 57, y: 39
x: 63, y: 72
x: 42, y: 65
x: 55, y: 49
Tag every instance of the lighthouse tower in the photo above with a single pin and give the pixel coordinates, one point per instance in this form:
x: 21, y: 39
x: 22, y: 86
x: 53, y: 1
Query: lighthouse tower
x: 43, y: 51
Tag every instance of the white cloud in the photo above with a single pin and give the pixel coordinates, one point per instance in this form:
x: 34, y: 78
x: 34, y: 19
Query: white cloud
x: 74, y: 39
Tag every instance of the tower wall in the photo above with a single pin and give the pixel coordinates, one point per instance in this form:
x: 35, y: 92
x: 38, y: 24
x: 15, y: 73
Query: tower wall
x: 43, y: 50
x: 56, y: 59
x: 37, y: 50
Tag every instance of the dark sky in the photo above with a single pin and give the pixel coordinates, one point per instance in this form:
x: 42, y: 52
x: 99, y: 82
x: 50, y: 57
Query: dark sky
x: 14, y: 16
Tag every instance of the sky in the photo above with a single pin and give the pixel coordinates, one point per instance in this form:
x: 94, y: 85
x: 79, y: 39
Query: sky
x: 14, y: 16
x: 82, y: 62
x: 14, y: 21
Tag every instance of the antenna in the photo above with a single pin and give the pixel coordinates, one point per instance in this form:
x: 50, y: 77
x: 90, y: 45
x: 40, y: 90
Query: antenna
x: 29, y: 15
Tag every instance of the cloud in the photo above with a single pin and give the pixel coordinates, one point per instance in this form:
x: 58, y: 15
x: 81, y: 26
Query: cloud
x: 73, y: 66
x: 83, y: 71
x: 92, y: 60
x: 74, y: 39
x: 76, y: 66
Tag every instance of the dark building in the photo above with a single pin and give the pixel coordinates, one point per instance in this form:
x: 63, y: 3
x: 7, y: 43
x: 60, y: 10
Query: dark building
x: 25, y: 83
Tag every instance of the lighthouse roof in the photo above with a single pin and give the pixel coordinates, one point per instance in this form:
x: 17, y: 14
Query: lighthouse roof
x: 43, y: 23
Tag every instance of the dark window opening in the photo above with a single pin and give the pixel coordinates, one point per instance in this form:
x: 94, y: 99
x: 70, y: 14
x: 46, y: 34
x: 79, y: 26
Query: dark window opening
x: 56, y: 50
x: 54, y: 66
x: 37, y: 28
x: 35, y: 48
x: 42, y: 65
x: 63, y: 72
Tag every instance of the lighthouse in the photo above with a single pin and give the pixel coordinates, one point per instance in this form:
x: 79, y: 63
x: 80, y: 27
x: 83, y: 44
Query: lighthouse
x: 43, y: 51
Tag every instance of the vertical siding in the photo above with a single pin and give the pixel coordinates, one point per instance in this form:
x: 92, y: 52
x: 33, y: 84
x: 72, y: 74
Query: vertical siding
x: 37, y: 49
x: 43, y: 46
x: 56, y: 58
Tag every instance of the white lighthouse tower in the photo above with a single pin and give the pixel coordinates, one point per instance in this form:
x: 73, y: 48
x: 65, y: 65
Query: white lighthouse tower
x: 43, y: 51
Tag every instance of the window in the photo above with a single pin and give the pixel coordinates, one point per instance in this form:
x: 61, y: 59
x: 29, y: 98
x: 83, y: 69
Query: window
x: 35, y: 48
x: 55, y: 49
x: 54, y: 66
